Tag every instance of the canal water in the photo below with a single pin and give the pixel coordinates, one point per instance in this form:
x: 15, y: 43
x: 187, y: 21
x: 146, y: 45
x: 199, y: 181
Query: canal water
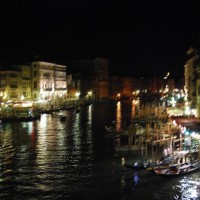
x: 54, y: 159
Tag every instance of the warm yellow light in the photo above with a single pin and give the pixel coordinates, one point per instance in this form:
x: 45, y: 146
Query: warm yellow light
x: 90, y: 93
x: 137, y: 92
x: 27, y: 104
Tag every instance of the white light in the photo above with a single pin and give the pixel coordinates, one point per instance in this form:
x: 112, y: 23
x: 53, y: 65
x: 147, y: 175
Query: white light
x: 90, y: 93
x: 27, y: 104
x: 77, y: 94
x: 187, y: 110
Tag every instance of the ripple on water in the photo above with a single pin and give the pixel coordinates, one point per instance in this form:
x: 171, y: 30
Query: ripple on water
x: 50, y: 159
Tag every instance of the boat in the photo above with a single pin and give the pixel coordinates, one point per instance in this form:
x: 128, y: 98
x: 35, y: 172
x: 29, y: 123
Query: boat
x: 136, y: 165
x: 175, y: 170
x: 151, y: 166
x: 19, y: 118
x: 170, y: 160
x: 20, y: 114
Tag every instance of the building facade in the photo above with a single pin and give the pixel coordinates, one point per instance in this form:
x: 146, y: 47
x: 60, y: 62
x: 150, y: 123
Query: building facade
x: 15, y: 83
x: 37, y: 81
x: 94, y: 78
x: 49, y: 82
x: 192, y: 79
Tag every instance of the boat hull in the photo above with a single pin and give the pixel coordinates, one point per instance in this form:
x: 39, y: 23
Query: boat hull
x: 178, y: 170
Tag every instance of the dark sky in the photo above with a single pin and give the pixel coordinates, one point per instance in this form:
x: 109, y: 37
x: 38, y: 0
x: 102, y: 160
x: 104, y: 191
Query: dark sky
x: 139, y: 37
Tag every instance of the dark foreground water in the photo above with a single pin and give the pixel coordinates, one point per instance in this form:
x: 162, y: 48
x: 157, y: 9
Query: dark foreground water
x: 53, y: 159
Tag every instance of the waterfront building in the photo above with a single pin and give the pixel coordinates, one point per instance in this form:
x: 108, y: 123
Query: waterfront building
x: 156, y: 85
x: 73, y: 87
x: 41, y: 82
x: 15, y: 83
x: 94, y: 79
x: 115, y: 87
x: 15, y: 92
x: 49, y: 83
x: 130, y: 87
x: 192, y: 79
x: 127, y: 87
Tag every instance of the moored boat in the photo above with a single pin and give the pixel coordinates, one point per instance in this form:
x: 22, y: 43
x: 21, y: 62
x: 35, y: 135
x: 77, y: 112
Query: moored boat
x: 178, y: 169
x: 19, y: 118
x: 136, y: 165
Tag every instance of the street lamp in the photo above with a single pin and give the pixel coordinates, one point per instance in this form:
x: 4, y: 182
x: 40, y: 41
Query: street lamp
x: 118, y: 96
x: 89, y: 93
x: 77, y: 94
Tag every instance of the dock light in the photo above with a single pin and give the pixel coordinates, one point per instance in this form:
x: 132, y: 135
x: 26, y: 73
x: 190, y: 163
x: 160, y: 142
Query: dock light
x: 89, y: 93
x: 77, y: 94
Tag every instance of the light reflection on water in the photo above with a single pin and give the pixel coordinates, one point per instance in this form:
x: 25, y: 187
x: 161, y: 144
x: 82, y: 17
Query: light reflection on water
x: 133, y: 109
x: 118, y: 117
x: 190, y: 187
x: 52, y: 159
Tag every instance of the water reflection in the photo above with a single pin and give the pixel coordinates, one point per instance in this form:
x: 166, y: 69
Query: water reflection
x: 135, y: 178
x: 89, y: 116
x: 89, y: 128
x: 124, y: 114
x: 77, y: 131
x: 133, y: 109
x: 118, y: 116
x: 190, y: 188
x: 53, y: 159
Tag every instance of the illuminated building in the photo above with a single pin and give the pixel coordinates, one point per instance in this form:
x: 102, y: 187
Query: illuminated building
x: 38, y: 81
x: 49, y: 82
x: 93, y: 76
x: 15, y: 83
x: 192, y: 79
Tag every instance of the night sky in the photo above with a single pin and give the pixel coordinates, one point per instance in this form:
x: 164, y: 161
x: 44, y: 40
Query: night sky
x: 140, y: 38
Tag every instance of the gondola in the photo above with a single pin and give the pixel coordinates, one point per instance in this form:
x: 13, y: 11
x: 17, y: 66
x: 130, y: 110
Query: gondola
x: 136, y: 166
x: 184, y: 168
